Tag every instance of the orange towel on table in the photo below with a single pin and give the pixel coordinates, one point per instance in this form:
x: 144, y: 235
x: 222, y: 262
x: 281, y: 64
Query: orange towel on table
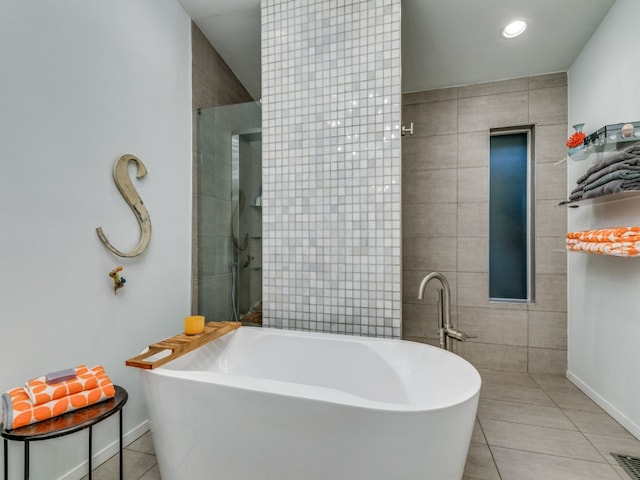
x: 18, y: 410
x: 40, y: 391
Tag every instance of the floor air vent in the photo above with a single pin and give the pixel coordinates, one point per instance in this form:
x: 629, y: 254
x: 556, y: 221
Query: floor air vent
x: 631, y: 465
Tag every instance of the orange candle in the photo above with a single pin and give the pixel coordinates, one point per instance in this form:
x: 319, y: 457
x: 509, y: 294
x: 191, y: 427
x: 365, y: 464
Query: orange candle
x: 194, y: 324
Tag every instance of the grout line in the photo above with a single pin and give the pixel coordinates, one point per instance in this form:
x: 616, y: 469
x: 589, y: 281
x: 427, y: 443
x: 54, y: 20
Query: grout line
x: 148, y: 470
x: 578, y: 428
x: 554, y: 456
x: 493, y: 458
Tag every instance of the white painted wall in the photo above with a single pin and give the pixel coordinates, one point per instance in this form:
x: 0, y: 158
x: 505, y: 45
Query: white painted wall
x: 604, y: 292
x: 82, y: 83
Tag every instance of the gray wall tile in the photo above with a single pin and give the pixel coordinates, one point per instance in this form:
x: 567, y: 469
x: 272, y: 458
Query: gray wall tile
x: 493, y: 88
x: 433, y: 118
x: 420, y: 320
x: 546, y: 360
x: 473, y: 184
x: 426, y: 96
x: 429, y: 220
x: 429, y: 253
x: 551, y: 256
x: 548, y: 106
x: 473, y: 289
x: 504, y: 327
x: 214, y: 217
x: 548, y: 330
x: 534, y: 331
x: 429, y: 186
x: 551, y: 182
x: 551, y: 293
x: 551, y: 220
x: 494, y: 357
x: 473, y: 149
x: 478, y: 114
x: 473, y: 219
x: 558, y: 79
x: 429, y: 153
x: 473, y: 254
x: 550, y: 144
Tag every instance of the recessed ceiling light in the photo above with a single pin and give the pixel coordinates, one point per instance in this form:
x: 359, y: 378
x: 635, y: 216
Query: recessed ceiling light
x: 514, y: 29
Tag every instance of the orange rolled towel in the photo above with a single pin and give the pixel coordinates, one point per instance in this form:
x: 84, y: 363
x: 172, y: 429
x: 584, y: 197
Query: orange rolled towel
x: 18, y: 410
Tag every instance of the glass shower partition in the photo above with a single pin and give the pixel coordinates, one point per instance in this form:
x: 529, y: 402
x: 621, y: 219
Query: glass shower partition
x: 229, y: 213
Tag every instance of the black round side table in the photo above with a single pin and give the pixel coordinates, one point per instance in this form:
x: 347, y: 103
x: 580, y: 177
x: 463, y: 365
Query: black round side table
x: 63, y: 425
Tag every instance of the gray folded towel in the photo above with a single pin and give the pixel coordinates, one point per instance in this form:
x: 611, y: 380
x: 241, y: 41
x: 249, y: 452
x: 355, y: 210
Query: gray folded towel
x: 631, y: 155
x: 614, y: 186
x: 625, y: 165
x: 576, y: 195
x: 616, y: 175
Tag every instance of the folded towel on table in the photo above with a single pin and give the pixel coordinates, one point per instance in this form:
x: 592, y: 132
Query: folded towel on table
x: 40, y: 391
x: 18, y: 410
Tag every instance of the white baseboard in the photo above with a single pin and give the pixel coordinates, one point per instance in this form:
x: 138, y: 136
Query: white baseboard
x: 621, y: 418
x: 106, y: 453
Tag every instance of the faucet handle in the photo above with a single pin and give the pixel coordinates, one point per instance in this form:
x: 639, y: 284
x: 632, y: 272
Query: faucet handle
x: 458, y: 335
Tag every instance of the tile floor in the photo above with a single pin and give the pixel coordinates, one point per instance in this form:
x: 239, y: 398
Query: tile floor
x: 139, y: 463
x: 529, y: 427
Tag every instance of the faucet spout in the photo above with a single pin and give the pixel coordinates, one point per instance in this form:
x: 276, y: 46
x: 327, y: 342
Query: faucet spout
x: 433, y: 275
x: 446, y: 331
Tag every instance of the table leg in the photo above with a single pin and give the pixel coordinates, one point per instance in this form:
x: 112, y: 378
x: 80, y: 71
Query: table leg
x: 121, y: 478
x: 26, y: 460
x: 6, y: 459
x: 90, y: 450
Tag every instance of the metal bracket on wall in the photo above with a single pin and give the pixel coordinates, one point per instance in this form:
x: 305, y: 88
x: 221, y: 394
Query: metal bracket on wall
x: 408, y: 129
x: 129, y: 193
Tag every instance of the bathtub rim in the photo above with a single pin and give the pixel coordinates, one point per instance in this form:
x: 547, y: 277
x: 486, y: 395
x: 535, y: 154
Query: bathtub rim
x: 314, y: 392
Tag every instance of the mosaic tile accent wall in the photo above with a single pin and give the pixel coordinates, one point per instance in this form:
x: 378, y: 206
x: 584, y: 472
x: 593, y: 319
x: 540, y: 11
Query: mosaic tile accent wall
x: 331, y: 102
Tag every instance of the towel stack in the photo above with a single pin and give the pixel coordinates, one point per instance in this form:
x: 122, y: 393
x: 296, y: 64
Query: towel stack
x: 613, y: 174
x: 620, y: 241
x: 38, y: 400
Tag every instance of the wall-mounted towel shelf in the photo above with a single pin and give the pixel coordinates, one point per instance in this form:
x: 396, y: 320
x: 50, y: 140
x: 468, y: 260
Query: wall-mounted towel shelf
x: 609, y: 138
x: 603, y: 199
x: 180, y: 344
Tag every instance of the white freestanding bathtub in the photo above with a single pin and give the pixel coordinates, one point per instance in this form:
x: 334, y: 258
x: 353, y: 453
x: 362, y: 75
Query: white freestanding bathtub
x: 266, y: 404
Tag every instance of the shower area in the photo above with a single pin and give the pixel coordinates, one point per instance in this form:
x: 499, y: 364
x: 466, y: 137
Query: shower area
x: 229, y: 213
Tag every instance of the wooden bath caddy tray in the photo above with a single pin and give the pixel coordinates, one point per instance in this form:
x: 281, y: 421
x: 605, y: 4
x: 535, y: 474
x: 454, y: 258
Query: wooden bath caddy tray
x: 181, y: 344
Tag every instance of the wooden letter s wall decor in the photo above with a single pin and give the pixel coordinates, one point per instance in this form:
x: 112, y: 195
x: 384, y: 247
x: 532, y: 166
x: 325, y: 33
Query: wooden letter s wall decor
x: 129, y: 193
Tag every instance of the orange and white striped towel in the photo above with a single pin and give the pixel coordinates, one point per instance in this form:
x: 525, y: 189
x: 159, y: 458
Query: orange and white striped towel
x: 617, y: 241
x: 40, y: 391
x: 617, y: 249
x: 617, y: 234
x: 18, y: 410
